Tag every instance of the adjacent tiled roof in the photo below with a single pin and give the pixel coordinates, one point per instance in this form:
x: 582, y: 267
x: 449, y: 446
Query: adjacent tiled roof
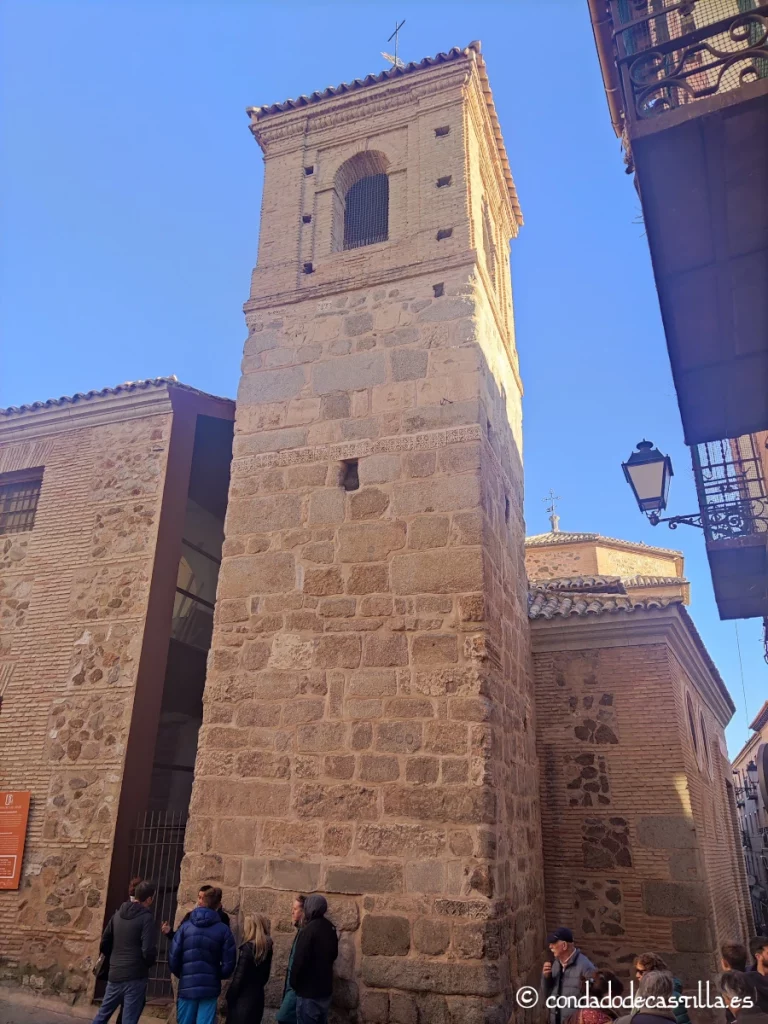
x: 384, y: 76
x: 655, y: 581
x: 128, y: 386
x: 561, y: 537
x: 582, y: 584
x: 547, y: 604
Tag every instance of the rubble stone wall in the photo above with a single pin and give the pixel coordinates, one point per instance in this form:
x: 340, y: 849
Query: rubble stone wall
x: 73, y: 597
x: 635, y: 860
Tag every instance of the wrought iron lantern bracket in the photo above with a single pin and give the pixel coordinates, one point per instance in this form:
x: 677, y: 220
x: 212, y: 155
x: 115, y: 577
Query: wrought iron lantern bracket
x: 674, y: 521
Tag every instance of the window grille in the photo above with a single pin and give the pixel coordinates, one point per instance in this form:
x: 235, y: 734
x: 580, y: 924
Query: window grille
x: 19, y: 494
x: 366, y: 212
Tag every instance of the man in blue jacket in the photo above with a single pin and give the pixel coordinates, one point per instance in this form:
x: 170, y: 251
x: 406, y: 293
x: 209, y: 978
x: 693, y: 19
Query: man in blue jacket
x: 202, y: 955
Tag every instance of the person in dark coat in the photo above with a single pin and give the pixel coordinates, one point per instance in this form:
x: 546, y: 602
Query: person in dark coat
x: 737, y: 992
x: 312, y: 970
x: 648, y: 962
x: 287, y: 1012
x: 202, y: 955
x: 733, y: 957
x: 169, y: 932
x: 245, y: 995
x: 659, y: 988
x: 129, y: 941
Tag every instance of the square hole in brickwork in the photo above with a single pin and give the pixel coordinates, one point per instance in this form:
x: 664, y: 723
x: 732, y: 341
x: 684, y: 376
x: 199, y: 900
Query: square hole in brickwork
x: 445, y: 181
x: 307, y: 218
x: 309, y: 170
x: 444, y: 233
x: 442, y: 130
x: 350, y: 480
x: 308, y: 268
x: 438, y: 289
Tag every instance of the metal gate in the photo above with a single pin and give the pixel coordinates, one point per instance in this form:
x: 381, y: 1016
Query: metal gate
x: 157, y: 848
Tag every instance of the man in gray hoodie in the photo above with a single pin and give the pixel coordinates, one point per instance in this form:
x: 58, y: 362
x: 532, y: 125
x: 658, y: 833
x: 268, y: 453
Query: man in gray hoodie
x: 562, y: 976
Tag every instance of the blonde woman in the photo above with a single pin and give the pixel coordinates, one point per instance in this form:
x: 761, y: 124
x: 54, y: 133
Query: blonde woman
x: 245, y: 998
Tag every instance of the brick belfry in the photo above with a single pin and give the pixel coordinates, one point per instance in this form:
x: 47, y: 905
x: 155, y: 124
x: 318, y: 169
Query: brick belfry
x: 368, y: 727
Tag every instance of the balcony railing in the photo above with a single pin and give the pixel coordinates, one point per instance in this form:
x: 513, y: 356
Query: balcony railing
x: 731, y: 488
x: 675, y: 52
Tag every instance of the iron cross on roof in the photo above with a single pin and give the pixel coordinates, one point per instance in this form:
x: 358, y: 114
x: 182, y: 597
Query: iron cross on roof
x: 394, y: 61
x: 554, y: 518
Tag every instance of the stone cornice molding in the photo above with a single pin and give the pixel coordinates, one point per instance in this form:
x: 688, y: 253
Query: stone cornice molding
x: 95, y: 411
x: 671, y: 626
x: 329, y: 114
x: 98, y: 409
x: 338, y: 451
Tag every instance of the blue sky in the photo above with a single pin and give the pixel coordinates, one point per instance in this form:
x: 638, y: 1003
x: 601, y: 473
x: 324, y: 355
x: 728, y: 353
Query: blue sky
x: 132, y: 190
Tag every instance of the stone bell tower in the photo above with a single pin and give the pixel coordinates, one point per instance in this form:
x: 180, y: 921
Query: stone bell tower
x: 368, y: 728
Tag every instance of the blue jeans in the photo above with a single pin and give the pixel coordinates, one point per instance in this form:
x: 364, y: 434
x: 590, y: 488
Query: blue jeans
x: 196, y: 1011
x: 312, y: 1011
x: 131, y: 995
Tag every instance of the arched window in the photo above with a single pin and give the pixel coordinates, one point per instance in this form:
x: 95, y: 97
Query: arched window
x: 692, y: 723
x: 361, y: 202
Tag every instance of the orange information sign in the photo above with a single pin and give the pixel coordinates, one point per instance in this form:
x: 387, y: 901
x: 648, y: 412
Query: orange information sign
x: 14, y: 812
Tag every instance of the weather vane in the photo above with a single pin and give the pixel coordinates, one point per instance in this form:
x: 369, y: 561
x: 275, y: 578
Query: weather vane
x: 394, y: 61
x: 554, y: 518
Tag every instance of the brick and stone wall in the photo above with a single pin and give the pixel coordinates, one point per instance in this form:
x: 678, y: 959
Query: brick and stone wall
x: 73, y: 597
x: 638, y: 850
x: 369, y: 722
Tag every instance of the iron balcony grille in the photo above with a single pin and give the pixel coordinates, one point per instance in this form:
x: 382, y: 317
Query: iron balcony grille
x: 731, y: 488
x: 157, y: 848
x: 675, y: 52
x: 18, y: 503
x: 366, y: 212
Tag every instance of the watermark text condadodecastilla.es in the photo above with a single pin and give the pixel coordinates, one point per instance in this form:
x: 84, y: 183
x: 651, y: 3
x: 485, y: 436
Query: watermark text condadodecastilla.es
x: 706, y: 997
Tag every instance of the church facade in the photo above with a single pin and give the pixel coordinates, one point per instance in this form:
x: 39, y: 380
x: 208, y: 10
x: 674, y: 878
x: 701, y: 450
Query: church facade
x: 382, y: 708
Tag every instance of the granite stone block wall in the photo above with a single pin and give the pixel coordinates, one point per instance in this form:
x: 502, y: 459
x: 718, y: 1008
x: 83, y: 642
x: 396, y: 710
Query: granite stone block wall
x: 368, y: 714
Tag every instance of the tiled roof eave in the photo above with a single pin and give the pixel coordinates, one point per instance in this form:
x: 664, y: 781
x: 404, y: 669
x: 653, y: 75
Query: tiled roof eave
x: 258, y: 114
x: 543, y: 604
x: 129, y: 387
x: 564, y: 537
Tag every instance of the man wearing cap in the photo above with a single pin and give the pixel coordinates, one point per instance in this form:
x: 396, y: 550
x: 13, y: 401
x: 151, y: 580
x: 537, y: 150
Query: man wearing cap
x: 563, y: 976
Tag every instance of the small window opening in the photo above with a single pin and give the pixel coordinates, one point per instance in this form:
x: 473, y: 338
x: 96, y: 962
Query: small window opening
x: 19, y: 495
x: 442, y: 131
x: 309, y: 170
x: 444, y: 233
x: 444, y: 181
x: 438, y: 289
x: 349, y: 478
x: 506, y: 509
x: 308, y: 268
x: 307, y: 218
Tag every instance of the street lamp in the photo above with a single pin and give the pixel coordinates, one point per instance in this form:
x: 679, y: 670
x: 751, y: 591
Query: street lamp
x: 648, y: 472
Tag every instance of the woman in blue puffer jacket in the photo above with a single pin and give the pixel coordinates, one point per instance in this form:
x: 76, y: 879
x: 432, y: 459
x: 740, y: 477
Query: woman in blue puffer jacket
x: 202, y: 955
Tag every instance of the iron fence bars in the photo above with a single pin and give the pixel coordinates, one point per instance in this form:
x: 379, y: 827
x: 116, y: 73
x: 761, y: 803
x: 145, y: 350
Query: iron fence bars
x: 675, y: 52
x: 157, y: 848
x: 18, y: 501
x: 730, y: 487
